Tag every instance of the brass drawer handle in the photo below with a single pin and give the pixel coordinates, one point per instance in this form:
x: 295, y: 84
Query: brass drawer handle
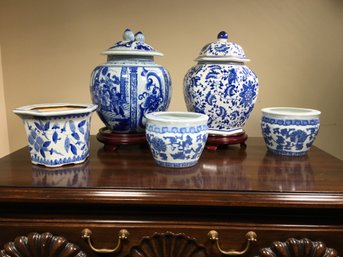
x: 122, y: 235
x: 250, y: 237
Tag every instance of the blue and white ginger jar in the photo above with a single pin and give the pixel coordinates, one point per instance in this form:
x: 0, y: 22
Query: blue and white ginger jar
x: 222, y: 86
x: 130, y: 84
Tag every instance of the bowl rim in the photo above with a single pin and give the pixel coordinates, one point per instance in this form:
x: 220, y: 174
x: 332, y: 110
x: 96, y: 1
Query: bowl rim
x: 290, y: 112
x: 79, y: 109
x: 176, y: 117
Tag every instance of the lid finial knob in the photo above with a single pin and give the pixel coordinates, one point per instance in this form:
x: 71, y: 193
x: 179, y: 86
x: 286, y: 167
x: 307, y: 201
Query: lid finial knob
x: 139, y: 36
x: 128, y: 35
x: 222, y: 35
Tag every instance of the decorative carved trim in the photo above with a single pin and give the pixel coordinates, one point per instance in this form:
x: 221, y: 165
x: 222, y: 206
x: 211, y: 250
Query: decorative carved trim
x: 168, y: 245
x: 297, y: 248
x: 41, y: 245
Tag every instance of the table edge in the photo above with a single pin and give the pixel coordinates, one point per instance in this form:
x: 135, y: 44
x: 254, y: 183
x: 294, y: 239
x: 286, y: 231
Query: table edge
x: 172, y: 197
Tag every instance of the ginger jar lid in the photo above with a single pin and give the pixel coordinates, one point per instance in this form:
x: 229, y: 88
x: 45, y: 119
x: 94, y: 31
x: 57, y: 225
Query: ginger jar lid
x: 222, y: 50
x: 132, y: 44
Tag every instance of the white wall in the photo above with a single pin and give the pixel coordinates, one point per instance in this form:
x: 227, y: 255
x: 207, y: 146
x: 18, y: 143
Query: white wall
x: 4, y: 142
x: 49, y: 49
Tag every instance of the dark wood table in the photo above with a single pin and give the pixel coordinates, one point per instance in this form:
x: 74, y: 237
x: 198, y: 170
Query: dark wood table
x: 231, y: 191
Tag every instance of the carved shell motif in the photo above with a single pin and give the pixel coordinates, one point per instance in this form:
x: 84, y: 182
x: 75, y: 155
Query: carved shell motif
x: 168, y: 245
x: 41, y: 245
x: 298, y: 248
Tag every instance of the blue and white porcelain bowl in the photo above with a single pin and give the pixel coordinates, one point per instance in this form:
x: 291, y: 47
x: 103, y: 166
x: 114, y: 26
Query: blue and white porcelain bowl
x: 288, y: 130
x: 176, y: 139
x: 58, y: 134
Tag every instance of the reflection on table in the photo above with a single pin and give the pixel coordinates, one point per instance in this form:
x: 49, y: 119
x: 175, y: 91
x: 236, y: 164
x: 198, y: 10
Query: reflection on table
x: 285, y: 173
x: 66, y: 176
x: 218, y: 170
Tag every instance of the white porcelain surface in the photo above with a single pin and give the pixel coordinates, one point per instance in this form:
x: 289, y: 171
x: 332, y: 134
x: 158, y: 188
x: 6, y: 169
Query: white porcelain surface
x: 289, y: 130
x: 58, y: 133
x: 54, y: 109
x: 132, y: 44
x: 176, y: 139
x: 290, y: 112
x: 223, y: 50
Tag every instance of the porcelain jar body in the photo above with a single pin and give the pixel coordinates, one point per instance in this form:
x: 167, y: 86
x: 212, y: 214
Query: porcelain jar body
x: 225, y: 92
x: 221, y: 86
x: 130, y: 84
x: 127, y: 88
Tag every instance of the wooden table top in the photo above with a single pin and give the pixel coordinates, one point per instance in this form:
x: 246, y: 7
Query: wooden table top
x: 228, y: 176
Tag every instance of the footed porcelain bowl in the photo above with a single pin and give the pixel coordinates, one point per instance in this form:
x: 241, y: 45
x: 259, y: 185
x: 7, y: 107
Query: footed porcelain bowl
x: 176, y: 139
x: 288, y: 130
x: 58, y: 134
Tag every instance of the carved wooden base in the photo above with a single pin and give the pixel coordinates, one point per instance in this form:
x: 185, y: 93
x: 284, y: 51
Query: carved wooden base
x: 113, y: 140
x: 215, y: 141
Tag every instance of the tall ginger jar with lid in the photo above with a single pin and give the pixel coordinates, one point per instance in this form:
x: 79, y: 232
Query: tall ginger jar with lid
x: 130, y: 84
x: 222, y: 86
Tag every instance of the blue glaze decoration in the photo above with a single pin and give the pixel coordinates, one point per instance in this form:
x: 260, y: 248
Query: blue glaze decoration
x: 292, y: 137
x: 221, y: 86
x: 130, y: 85
x: 174, y: 146
x: 222, y: 35
x: 225, y: 92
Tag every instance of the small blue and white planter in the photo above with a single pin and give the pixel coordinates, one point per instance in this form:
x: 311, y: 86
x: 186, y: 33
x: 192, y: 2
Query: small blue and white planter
x: 58, y: 134
x: 289, y: 131
x: 176, y: 139
x: 221, y: 86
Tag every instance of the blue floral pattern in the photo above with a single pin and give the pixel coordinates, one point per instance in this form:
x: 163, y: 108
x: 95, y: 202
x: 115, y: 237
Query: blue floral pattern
x: 292, y: 137
x: 176, y: 146
x: 225, y: 92
x: 59, y: 140
x: 125, y: 90
x: 132, y: 45
x: 223, y: 48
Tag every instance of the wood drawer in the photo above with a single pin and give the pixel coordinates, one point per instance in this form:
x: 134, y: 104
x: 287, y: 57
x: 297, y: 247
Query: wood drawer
x: 231, y: 235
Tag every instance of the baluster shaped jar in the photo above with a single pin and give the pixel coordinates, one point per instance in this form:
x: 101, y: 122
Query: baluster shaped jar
x: 221, y: 86
x: 130, y: 84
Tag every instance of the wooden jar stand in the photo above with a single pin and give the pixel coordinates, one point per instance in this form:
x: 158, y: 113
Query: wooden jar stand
x: 215, y: 141
x: 112, y: 140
